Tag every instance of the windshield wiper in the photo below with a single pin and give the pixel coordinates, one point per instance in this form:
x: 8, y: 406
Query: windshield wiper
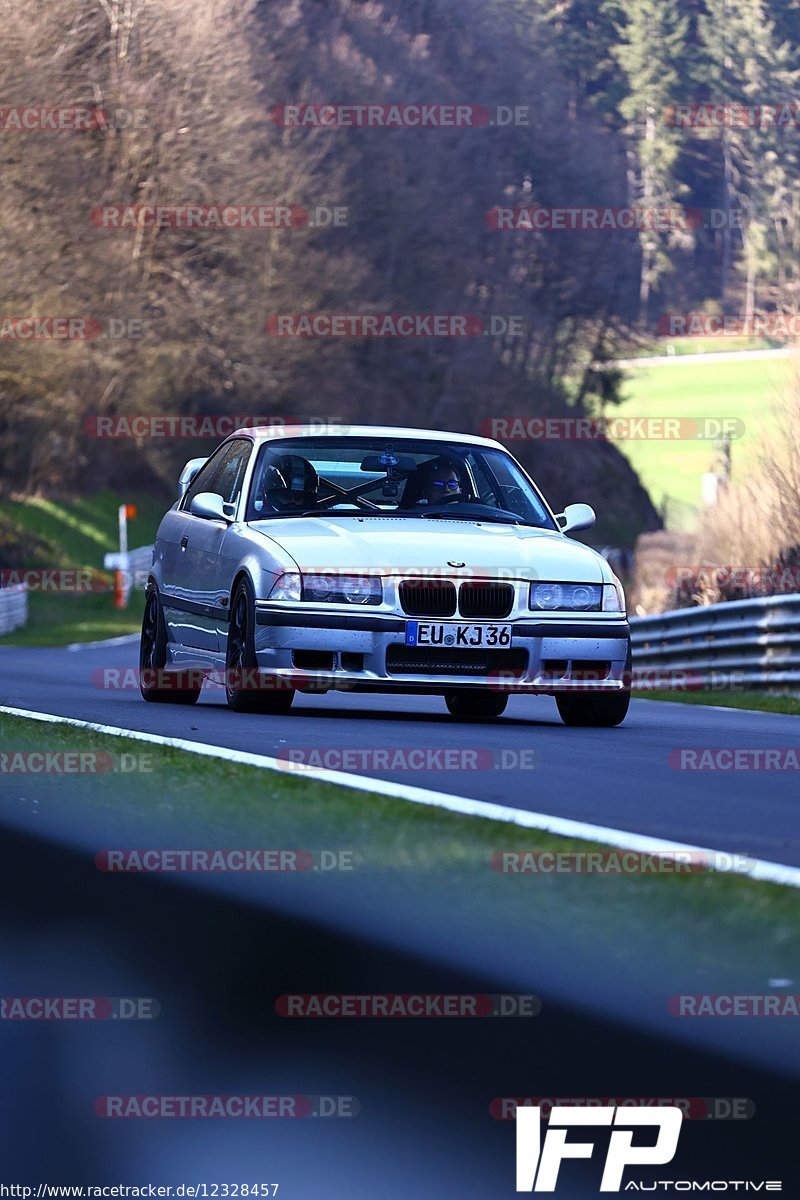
x: 477, y: 519
x: 333, y: 512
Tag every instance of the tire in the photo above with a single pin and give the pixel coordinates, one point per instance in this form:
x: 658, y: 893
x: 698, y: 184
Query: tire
x: 184, y: 685
x: 598, y: 710
x: 241, y: 665
x: 476, y: 706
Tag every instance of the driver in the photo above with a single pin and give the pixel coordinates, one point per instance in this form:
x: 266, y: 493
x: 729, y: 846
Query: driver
x: 440, y: 482
x: 291, y: 483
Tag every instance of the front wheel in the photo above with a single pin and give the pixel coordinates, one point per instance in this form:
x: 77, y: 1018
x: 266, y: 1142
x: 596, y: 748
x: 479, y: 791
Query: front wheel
x: 246, y: 688
x: 476, y: 706
x: 156, y: 684
x: 598, y: 711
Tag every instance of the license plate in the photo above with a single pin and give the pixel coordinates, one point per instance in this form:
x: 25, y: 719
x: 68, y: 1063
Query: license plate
x: 468, y: 637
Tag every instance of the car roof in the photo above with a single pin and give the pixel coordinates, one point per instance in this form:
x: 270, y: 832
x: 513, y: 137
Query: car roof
x: 271, y: 433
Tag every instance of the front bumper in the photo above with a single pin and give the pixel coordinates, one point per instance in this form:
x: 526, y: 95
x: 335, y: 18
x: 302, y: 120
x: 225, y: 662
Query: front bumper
x: 353, y: 651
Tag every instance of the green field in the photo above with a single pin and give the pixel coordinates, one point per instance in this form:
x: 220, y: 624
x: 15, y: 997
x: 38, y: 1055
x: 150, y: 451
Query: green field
x: 682, y: 346
x: 40, y: 533
x: 748, y: 391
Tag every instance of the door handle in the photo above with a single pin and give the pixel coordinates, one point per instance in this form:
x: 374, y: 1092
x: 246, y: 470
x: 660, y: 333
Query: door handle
x: 184, y: 543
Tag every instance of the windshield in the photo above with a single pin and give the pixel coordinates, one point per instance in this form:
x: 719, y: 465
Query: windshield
x: 347, y: 477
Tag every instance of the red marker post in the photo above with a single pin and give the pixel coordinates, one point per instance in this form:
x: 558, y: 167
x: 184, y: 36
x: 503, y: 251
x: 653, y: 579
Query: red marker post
x: 120, y: 562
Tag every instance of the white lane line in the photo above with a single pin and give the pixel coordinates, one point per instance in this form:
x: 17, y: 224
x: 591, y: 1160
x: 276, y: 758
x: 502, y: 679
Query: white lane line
x: 124, y: 640
x: 753, y: 868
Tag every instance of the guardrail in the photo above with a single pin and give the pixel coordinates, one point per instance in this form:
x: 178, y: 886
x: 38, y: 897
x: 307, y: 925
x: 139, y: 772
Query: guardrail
x: 139, y: 563
x: 740, y: 643
x: 13, y: 607
x: 132, y: 568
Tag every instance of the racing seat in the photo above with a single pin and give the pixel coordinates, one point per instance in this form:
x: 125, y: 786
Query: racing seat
x: 290, y: 484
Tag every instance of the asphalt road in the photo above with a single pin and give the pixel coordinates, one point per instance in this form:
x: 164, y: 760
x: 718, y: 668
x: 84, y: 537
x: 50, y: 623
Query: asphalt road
x: 623, y: 778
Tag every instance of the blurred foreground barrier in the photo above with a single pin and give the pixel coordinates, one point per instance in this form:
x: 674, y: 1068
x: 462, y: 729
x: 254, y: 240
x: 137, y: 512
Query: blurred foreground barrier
x: 13, y: 607
x: 738, y: 644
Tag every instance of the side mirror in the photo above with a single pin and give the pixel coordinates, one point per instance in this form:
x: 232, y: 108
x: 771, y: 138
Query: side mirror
x: 188, y: 473
x: 575, y: 517
x: 211, y: 506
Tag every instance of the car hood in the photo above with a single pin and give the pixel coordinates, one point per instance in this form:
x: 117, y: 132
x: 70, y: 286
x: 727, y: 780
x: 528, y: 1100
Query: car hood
x: 400, y: 545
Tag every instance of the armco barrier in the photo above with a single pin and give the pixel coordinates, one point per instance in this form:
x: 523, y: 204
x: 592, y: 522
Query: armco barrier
x: 13, y: 607
x: 134, y: 566
x: 747, y: 643
x: 139, y: 563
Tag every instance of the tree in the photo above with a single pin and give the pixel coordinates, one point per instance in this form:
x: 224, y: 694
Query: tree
x: 652, y: 44
x: 745, y: 63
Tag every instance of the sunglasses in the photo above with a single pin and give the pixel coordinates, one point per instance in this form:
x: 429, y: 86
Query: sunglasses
x: 452, y: 485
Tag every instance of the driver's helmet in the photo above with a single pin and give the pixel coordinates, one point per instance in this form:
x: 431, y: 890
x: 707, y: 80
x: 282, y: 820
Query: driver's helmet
x: 291, y: 482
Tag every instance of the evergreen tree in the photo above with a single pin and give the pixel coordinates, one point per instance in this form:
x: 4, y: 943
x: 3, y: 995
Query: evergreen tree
x: 652, y: 44
x: 745, y: 63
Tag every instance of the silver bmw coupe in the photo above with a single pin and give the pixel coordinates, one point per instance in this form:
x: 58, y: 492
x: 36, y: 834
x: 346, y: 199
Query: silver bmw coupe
x: 379, y: 560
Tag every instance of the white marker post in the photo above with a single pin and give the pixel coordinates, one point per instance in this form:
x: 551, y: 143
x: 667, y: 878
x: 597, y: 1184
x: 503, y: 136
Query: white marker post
x: 122, y: 577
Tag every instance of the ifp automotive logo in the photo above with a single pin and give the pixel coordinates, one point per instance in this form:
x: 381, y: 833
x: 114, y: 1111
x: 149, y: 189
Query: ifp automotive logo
x: 538, y: 1164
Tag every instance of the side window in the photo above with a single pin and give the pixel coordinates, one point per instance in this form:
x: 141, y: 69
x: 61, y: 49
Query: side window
x: 509, y: 489
x: 229, y: 483
x: 223, y: 474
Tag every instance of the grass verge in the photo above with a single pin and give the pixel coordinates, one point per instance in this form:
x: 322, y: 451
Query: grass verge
x: 75, y: 535
x: 60, y: 620
x: 755, y: 701
x: 416, y: 863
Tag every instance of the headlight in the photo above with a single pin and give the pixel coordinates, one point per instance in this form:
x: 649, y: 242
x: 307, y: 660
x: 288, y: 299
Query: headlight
x: 288, y: 587
x: 342, y: 589
x: 613, y: 597
x: 566, y: 597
